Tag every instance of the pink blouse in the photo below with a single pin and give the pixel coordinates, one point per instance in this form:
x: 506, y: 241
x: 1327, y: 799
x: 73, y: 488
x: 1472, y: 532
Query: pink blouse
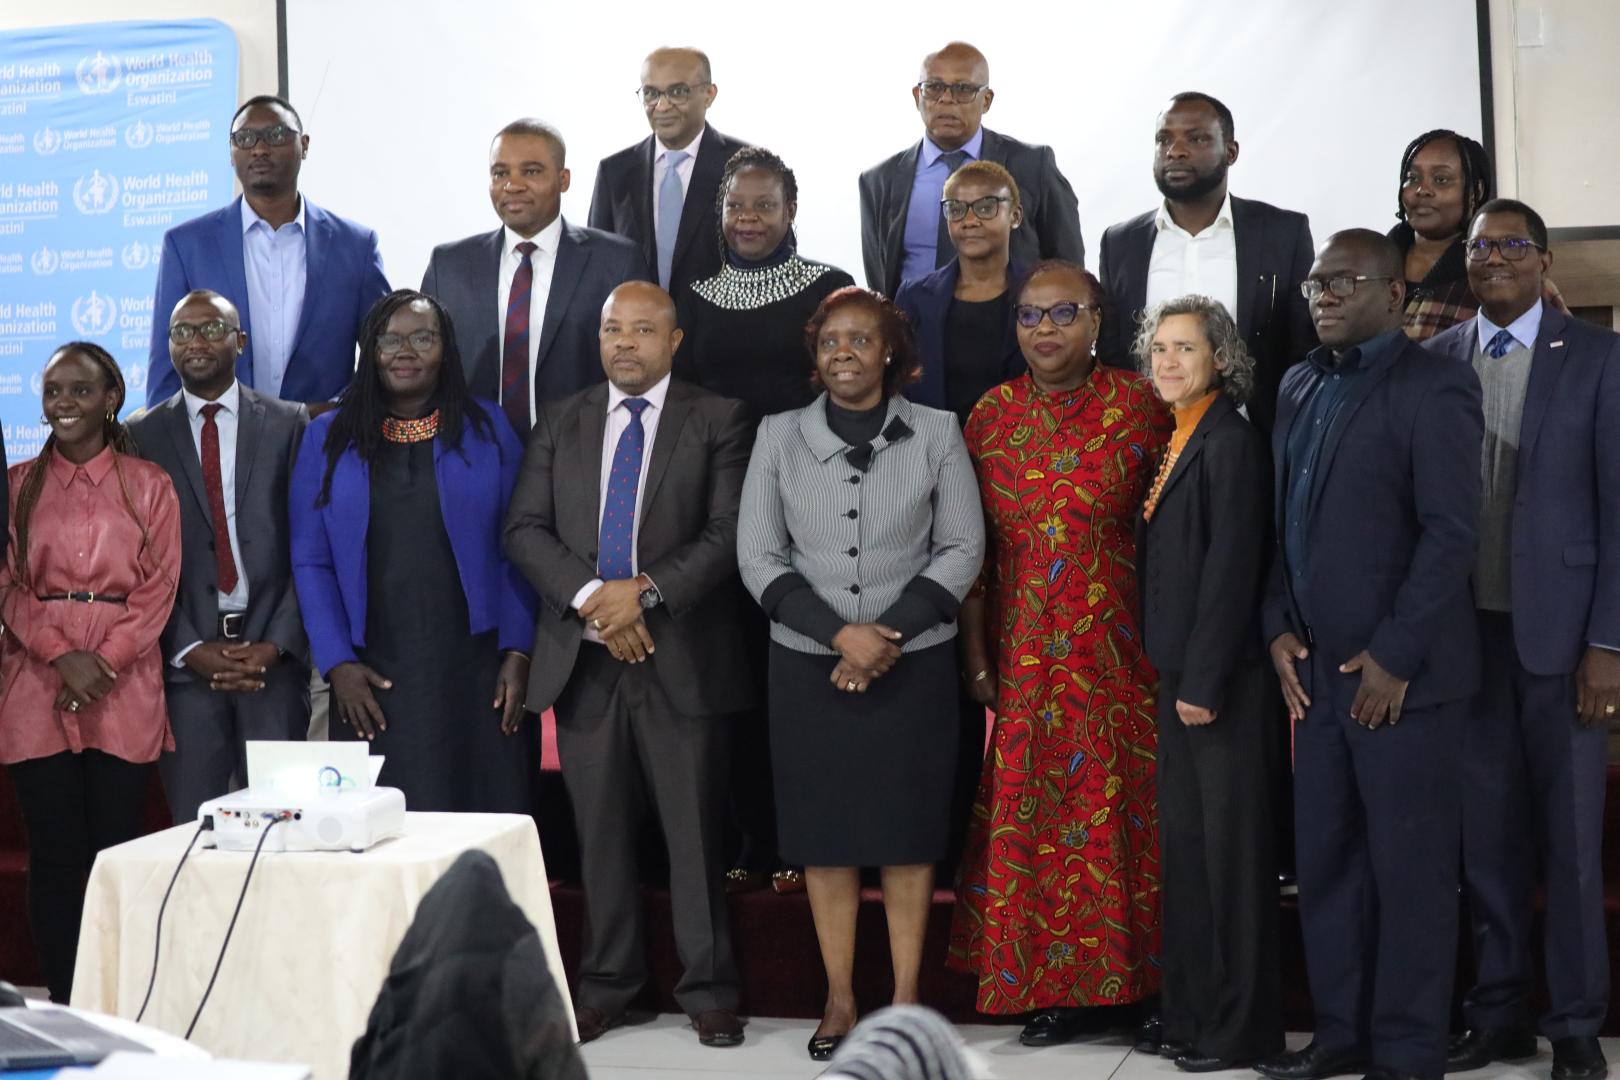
x: 83, y: 536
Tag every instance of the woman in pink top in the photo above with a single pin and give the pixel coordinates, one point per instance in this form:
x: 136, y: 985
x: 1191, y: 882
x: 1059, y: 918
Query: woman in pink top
x: 84, y: 593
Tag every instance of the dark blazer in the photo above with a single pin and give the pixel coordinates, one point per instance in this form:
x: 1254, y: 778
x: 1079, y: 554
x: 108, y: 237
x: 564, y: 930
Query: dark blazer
x: 686, y: 542
x: 344, y: 277
x: 1566, y: 520
x: 1201, y: 558
x: 329, y: 542
x: 1274, y: 253
x: 465, y: 276
x: 927, y: 303
x: 268, y: 433
x: 622, y: 202
x: 1051, y: 228
x: 1394, y: 523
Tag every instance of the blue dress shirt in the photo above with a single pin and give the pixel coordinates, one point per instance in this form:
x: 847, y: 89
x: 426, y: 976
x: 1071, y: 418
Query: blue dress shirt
x: 273, y: 260
x: 922, y: 214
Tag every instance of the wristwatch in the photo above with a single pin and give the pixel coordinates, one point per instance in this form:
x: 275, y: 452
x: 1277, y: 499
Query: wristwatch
x: 650, y: 596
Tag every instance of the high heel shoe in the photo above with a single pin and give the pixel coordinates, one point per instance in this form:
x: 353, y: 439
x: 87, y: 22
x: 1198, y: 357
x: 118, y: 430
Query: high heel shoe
x: 823, y: 1047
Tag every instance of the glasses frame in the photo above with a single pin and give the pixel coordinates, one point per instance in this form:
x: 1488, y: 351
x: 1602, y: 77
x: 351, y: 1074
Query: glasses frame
x: 253, y: 136
x: 686, y: 89
x: 1327, y: 286
x: 182, y: 333
x: 1051, y: 313
x: 947, y: 205
x: 1484, y: 245
x: 952, y: 91
x: 405, y: 339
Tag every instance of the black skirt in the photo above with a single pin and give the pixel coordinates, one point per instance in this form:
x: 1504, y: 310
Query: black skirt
x: 863, y: 779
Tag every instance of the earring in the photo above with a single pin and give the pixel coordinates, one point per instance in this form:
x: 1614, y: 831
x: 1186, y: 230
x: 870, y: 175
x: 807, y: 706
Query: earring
x: 887, y: 360
x: 1093, y: 348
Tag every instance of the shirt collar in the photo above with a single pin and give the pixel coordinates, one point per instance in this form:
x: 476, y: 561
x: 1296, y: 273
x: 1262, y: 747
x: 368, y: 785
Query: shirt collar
x: 1525, y: 329
x: 818, y: 435
x: 545, y: 241
x: 1162, y: 220
x: 690, y: 148
x: 654, y: 397
x: 96, y: 468
x: 250, y: 219
x: 230, y: 401
x: 932, y: 153
x: 1354, y: 359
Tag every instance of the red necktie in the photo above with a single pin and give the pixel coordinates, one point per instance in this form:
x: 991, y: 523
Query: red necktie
x: 515, y: 393
x: 223, y: 560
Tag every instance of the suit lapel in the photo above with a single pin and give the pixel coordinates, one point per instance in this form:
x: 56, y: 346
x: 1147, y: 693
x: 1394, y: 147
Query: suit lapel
x: 569, y: 267
x: 317, y: 230
x: 592, y: 424
x: 228, y: 243
x: 894, y: 235
x: 1195, y: 444
x: 676, y: 410
x: 1545, y: 367
x: 249, y: 426
x: 706, y: 171
x: 641, y: 173
x: 1138, y: 259
x: 185, y: 451
x: 1360, y: 390
x: 483, y: 281
x: 1250, y: 237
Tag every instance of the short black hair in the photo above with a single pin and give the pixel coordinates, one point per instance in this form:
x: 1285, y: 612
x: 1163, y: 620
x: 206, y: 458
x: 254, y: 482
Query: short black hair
x: 752, y: 157
x: 1228, y: 127
x: 528, y: 125
x: 1532, y: 220
x: 1099, y: 295
x: 1479, y: 175
x: 1381, y: 253
x: 268, y: 99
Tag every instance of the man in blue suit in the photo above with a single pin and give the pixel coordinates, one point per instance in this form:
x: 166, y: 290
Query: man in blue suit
x: 1371, y: 630
x: 301, y: 277
x: 1547, y: 589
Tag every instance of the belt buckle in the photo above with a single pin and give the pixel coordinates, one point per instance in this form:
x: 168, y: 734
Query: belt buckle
x: 230, y: 624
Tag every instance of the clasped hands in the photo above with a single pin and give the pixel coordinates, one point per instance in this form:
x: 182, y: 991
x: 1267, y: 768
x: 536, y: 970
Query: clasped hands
x: 1378, y: 698
x: 86, y: 679
x: 865, y: 652
x: 614, y: 612
x: 232, y: 665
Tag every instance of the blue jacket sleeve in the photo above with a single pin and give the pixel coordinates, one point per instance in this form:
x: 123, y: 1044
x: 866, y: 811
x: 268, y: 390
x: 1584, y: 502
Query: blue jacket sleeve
x: 161, y: 380
x: 326, y: 619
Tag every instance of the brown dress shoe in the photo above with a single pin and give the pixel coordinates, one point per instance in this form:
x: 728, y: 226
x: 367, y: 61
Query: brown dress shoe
x: 718, y: 1027
x: 594, y: 1023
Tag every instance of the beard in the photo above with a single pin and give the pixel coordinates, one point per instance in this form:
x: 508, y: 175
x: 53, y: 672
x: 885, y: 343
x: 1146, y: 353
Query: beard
x: 1201, y: 184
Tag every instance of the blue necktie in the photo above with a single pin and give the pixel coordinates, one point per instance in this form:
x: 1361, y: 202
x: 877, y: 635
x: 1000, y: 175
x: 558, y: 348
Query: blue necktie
x: 1500, y: 344
x: 670, y: 200
x: 615, y: 547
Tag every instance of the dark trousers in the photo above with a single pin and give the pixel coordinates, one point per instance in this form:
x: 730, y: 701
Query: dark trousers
x: 1378, y: 816
x: 619, y: 740
x: 753, y: 790
x: 1533, y: 792
x: 73, y: 806
x: 211, y: 730
x: 1221, y: 991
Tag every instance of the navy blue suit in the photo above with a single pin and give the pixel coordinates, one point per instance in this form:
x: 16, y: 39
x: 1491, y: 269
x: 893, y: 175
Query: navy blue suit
x: 1390, y: 530
x: 927, y: 302
x: 1535, y: 776
x: 344, y: 277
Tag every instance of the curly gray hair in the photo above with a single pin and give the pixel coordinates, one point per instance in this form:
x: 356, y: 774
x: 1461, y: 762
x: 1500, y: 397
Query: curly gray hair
x: 1234, y: 367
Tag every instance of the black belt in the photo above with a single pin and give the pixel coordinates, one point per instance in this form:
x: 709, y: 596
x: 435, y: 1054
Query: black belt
x: 87, y: 598
x: 231, y: 624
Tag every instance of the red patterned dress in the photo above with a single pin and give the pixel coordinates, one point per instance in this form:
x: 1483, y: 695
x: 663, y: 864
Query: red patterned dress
x: 1058, y: 903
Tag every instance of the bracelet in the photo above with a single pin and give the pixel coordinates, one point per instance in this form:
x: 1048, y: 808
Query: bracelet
x: 981, y: 676
x: 515, y: 652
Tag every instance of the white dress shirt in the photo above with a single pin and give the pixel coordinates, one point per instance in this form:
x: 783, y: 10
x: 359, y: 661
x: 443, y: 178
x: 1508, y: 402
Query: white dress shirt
x: 225, y: 420
x: 1183, y: 263
x: 618, y: 420
x: 274, y: 261
x: 542, y: 261
x: 683, y: 170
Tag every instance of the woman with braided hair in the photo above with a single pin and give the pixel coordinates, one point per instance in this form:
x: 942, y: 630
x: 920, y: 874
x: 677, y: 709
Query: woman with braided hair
x: 1445, y: 177
x: 94, y: 562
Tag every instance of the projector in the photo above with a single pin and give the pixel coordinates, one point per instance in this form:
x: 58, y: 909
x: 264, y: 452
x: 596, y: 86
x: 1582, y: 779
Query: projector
x: 319, y: 821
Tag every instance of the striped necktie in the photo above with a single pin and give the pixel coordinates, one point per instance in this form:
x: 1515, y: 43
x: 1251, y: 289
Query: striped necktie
x: 516, y: 397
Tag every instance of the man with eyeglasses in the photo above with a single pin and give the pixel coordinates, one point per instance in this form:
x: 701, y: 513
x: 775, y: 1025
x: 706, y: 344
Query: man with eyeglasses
x: 1547, y: 590
x: 1248, y: 255
x: 903, y: 235
x: 661, y: 192
x: 235, y: 647
x: 302, y: 277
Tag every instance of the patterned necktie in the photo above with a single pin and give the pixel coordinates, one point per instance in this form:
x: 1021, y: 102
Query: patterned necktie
x: 1500, y: 344
x: 944, y: 250
x: 515, y: 393
x: 615, y: 558
x: 224, y: 562
x: 671, y: 198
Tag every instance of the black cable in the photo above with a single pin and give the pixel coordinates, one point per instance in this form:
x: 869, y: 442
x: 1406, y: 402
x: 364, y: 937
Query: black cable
x: 157, y: 936
x: 272, y: 823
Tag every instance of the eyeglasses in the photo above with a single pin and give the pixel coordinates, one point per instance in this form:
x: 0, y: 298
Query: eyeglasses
x: 274, y: 135
x: 1064, y: 314
x: 961, y: 92
x: 420, y: 341
x: 1343, y: 286
x: 677, y: 94
x: 213, y: 330
x: 984, y: 209
x: 1513, y: 248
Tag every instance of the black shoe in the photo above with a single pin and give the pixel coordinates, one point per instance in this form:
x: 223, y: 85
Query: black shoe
x: 1194, y: 1062
x: 1053, y: 1027
x: 1170, y: 1049
x: 1478, y: 1047
x: 823, y: 1047
x: 1578, y: 1057
x: 1313, y: 1063
x: 1381, y: 1072
x: 1150, y: 1036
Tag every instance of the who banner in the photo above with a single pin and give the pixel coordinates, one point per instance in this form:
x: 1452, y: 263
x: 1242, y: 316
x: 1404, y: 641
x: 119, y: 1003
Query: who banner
x: 110, y: 133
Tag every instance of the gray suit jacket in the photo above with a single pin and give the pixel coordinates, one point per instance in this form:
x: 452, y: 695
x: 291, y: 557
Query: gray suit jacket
x: 267, y: 437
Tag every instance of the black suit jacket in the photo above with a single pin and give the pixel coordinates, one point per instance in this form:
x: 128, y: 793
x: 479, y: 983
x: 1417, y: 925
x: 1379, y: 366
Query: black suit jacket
x: 1201, y: 558
x: 686, y: 542
x: 267, y: 437
x: 1274, y: 253
x: 465, y: 276
x: 1393, y: 520
x: 1051, y: 228
x: 622, y: 202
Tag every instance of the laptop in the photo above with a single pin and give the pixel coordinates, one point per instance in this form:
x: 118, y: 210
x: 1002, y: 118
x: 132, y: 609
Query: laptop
x: 54, y: 1039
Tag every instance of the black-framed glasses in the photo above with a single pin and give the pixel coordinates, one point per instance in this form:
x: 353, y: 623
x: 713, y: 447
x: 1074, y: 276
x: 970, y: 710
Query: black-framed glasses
x: 677, y: 94
x: 984, y: 209
x: 1513, y: 248
x: 274, y: 135
x: 420, y: 341
x: 213, y: 330
x: 1029, y: 316
x: 960, y: 92
x: 1343, y: 286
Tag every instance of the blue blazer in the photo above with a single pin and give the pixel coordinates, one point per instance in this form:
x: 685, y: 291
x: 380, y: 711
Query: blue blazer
x: 1393, y: 524
x: 927, y: 303
x: 329, y: 543
x: 344, y: 277
x: 1566, y: 517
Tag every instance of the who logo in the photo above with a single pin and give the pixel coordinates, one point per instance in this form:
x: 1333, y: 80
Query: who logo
x: 99, y: 74
x: 45, y: 261
x: 47, y: 141
x: 96, y: 193
x: 138, y: 134
x: 136, y: 255
x: 94, y: 314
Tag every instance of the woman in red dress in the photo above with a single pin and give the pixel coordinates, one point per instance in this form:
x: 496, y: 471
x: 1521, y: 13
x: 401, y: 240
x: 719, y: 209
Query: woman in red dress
x: 1058, y: 903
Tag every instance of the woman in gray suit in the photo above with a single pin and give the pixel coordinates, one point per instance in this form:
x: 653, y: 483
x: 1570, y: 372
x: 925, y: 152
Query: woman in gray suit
x: 860, y: 533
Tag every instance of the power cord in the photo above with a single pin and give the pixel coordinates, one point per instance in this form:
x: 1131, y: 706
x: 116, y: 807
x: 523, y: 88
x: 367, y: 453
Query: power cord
x: 157, y: 936
x: 269, y: 824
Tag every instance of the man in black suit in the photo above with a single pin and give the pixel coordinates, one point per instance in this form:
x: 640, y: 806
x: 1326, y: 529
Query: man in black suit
x: 661, y: 192
x: 625, y: 520
x: 1371, y: 631
x: 237, y: 656
x: 903, y: 234
x: 548, y: 277
x: 1247, y: 254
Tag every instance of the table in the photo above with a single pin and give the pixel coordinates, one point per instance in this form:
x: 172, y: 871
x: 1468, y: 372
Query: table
x: 312, y: 945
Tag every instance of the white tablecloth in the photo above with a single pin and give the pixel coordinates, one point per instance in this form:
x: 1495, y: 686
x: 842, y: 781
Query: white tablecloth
x: 312, y: 945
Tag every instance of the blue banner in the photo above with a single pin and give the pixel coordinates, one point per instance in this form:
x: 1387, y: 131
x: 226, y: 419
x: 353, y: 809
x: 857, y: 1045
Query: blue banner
x: 110, y: 133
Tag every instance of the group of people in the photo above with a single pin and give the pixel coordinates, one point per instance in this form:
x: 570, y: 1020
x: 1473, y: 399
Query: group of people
x: 770, y: 545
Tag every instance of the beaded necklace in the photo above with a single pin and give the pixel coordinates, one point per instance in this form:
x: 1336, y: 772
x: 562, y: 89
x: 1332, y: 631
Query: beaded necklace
x: 421, y: 429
